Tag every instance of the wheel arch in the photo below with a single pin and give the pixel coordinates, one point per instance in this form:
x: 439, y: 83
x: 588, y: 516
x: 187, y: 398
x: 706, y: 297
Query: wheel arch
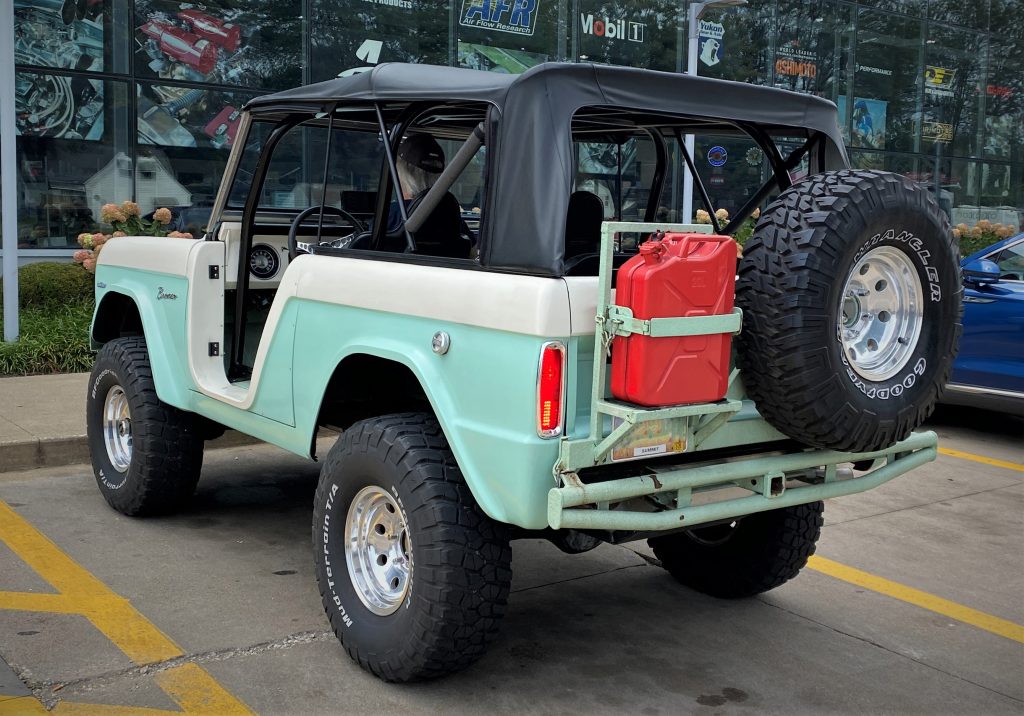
x: 117, y: 315
x: 413, y: 387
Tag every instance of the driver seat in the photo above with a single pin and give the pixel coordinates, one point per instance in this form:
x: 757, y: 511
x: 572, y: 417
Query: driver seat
x: 441, y: 233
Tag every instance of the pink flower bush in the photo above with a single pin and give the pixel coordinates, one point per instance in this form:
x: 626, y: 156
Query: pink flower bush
x: 125, y: 219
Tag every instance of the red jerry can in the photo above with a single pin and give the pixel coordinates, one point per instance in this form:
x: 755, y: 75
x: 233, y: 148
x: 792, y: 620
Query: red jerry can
x: 679, y: 275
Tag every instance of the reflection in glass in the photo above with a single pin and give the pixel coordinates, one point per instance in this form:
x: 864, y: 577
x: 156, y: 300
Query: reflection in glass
x: 250, y: 44
x: 73, y: 156
x: 59, y: 33
x: 188, y: 117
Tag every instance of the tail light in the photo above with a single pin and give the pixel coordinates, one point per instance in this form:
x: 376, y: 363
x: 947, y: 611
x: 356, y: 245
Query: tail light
x: 551, y: 389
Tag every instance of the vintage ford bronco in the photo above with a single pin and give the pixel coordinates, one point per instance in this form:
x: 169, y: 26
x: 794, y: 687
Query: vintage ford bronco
x: 456, y: 330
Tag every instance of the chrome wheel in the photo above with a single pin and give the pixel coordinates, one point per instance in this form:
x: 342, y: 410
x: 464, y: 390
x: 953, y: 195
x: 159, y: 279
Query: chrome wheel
x: 881, y: 313
x: 117, y: 428
x: 377, y: 550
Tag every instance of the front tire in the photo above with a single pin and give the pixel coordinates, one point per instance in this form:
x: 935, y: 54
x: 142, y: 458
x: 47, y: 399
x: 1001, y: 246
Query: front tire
x: 413, y: 575
x: 146, y: 455
x: 746, y: 557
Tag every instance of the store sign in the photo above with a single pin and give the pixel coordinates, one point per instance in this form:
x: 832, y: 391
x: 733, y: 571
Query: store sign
x: 368, y: 52
x: 515, y: 16
x: 717, y: 156
x: 998, y: 91
x: 868, y: 69
x: 939, y: 80
x: 709, y: 39
x: 795, y: 61
x: 404, y: 4
x: 937, y: 132
x: 611, y: 29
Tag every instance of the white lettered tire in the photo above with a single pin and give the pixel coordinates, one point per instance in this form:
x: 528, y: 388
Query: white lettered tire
x: 851, y: 295
x: 413, y: 575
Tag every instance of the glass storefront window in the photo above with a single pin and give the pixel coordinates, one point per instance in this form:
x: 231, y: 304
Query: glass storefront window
x: 73, y: 155
x: 637, y: 33
x: 951, y: 82
x: 739, y: 47
x: 882, y: 108
x: 64, y: 35
x: 507, y: 35
x: 255, y: 44
x: 809, y: 44
x: 175, y: 116
x: 354, y: 35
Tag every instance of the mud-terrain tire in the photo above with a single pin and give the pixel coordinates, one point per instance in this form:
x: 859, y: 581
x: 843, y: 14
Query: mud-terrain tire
x: 391, y: 489
x: 749, y: 556
x: 851, y: 295
x: 146, y: 455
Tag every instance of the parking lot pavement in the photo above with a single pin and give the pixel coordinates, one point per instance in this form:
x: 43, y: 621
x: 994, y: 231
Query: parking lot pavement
x: 913, y: 605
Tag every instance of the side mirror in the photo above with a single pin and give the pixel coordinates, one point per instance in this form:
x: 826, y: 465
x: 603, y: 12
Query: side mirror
x: 981, y: 272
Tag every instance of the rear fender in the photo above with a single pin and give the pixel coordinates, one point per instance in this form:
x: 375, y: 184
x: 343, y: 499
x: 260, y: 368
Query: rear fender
x: 487, y: 417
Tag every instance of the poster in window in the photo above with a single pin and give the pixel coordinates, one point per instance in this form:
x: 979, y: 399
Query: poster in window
x: 58, y: 106
x: 497, y: 59
x: 67, y: 34
x: 172, y: 116
x: 249, y: 44
x: 867, y: 125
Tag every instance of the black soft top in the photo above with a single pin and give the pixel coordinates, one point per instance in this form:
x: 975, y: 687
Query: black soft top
x: 529, y: 139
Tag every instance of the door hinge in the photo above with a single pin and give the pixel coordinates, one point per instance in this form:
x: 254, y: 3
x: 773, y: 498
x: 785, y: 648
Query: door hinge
x: 214, y: 349
x: 214, y: 271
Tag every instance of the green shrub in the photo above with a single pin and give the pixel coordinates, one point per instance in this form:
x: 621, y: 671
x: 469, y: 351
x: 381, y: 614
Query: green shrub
x: 51, y: 286
x: 52, y: 340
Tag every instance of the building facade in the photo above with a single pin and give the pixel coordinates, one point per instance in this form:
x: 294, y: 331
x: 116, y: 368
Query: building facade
x: 139, y: 99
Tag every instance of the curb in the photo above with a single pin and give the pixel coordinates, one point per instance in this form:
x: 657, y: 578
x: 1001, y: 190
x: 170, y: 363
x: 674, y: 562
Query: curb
x: 57, y: 452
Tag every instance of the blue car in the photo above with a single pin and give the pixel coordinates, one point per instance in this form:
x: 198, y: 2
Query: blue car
x: 989, y: 371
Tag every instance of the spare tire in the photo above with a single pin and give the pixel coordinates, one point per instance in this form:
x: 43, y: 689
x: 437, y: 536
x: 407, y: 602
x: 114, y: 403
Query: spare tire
x: 851, y: 295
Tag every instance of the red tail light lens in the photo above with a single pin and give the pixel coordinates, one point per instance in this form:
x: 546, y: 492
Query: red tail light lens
x: 550, y: 390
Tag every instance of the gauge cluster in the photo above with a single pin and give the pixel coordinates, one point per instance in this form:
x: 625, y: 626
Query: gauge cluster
x: 268, y: 258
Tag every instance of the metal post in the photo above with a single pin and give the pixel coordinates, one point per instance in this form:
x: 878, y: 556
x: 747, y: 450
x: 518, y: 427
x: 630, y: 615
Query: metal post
x: 8, y: 179
x: 692, y: 30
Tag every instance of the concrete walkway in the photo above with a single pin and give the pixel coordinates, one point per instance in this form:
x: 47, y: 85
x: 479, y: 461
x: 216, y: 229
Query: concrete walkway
x: 42, y: 422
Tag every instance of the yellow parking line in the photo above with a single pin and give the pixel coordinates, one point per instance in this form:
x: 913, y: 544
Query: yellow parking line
x: 79, y: 592
x: 982, y: 459
x: 996, y: 625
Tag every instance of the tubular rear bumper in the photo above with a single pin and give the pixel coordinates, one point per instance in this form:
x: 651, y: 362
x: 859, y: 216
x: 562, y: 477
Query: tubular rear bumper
x: 590, y: 506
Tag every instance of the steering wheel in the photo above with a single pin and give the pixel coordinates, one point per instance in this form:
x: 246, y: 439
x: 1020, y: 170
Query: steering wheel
x: 293, y: 230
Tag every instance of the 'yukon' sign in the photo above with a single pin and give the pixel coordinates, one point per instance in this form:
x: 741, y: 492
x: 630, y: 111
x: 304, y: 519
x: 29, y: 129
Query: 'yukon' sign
x: 515, y: 16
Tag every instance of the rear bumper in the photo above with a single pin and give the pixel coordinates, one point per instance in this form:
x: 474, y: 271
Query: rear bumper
x: 774, y: 482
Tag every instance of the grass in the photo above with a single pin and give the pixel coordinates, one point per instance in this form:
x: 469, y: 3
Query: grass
x: 52, y: 340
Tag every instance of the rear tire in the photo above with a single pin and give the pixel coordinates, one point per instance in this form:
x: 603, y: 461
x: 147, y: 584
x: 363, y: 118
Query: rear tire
x: 413, y: 575
x: 760, y: 552
x: 146, y: 455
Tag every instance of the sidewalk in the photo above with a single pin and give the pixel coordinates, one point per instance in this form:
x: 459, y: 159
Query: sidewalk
x: 42, y: 422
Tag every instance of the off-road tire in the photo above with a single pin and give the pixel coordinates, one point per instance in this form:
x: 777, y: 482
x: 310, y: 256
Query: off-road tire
x: 762, y: 551
x: 167, y: 448
x: 460, y: 558
x: 790, y: 286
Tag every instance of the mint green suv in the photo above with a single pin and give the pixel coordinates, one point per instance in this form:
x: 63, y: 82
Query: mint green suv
x: 449, y: 310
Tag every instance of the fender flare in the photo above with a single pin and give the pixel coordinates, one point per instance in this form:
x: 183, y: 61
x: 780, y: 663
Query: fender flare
x: 169, y: 391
